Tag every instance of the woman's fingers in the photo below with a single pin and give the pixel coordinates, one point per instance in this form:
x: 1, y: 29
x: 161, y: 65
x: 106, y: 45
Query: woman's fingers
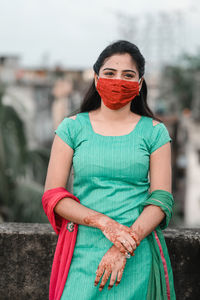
x: 134, y: 236
x: 124, y: 246
x: 112, y: 279
x: 119, y: 276
x: 105, y: 278
x: 99, y: 273
x: 128, y: 247
x: 121, y: 247
x: 130, y: 243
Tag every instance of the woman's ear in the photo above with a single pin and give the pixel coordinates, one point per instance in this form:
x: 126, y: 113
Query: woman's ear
x: 95, y: 79
x: 140, y: 84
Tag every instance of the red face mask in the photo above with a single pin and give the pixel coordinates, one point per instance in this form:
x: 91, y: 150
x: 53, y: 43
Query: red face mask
x: 116, y: 93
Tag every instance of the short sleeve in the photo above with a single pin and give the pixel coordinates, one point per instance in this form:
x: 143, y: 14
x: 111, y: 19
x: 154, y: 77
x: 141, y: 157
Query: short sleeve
x: 66, y: 131
x: 159, y: 137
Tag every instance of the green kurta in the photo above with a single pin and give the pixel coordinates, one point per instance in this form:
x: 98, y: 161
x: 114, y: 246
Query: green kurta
x: 111, y: 177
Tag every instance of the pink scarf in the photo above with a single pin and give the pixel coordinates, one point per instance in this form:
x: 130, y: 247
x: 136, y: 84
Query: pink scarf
x: 67, y: 232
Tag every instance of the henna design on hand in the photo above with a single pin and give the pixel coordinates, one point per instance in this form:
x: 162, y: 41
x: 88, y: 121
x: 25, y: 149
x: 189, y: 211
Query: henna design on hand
x: 113, y: 263
x: 120, y: 235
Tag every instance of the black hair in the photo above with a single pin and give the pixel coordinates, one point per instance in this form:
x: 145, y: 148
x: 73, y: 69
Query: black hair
x: 139, y: 105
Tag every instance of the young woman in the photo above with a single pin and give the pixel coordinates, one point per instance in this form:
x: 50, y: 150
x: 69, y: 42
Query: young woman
x: 121, y: 156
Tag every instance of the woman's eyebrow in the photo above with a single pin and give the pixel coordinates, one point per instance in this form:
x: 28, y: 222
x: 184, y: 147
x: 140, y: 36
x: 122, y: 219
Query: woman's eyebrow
x: 109, y: 69
x: 129, y: 71
x: 116, y: 70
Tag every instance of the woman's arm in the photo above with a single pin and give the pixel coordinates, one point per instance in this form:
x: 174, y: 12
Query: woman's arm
x: 57, y: 175
x: 160, y: 178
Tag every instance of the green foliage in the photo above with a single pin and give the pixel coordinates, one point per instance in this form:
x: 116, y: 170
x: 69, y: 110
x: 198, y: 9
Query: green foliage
x: 180, y: 80
x: 191, y: 62
x: 182, y: 85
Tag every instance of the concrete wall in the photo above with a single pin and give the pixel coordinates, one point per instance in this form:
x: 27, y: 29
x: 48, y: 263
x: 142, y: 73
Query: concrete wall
x: 26, y: 255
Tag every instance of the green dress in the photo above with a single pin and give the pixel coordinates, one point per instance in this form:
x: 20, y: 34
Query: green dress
x: 111, y: 177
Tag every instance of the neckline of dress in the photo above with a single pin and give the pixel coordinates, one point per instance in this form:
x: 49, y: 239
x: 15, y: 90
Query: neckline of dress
x: 114, y: 136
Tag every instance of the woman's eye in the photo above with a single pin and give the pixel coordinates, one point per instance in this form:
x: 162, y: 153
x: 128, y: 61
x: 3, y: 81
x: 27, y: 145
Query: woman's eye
x: 109, y: 73
x: 129, y: 75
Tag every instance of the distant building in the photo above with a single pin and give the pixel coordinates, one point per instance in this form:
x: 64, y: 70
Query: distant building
x: 31, y: 92
x: 9, y: 65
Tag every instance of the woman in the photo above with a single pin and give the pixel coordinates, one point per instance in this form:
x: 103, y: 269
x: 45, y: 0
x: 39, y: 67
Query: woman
x: 114, y: 143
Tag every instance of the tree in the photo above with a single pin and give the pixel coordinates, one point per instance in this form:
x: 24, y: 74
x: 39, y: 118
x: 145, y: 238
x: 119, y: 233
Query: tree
x: 179, y: 82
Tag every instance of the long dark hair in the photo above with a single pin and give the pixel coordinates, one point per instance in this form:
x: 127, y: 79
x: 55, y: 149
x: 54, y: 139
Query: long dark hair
x: 139, y: 105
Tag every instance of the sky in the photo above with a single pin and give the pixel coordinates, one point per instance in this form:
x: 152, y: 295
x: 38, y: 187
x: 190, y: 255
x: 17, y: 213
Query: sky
x: 73, y: 33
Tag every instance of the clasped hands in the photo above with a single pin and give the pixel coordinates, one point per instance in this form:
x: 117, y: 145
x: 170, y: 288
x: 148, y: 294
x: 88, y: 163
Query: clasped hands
x: 124, y: 240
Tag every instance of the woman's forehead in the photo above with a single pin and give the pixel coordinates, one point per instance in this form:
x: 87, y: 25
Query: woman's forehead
x: 119, y: 61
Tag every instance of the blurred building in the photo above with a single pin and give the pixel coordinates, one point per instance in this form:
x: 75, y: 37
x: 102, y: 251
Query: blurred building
x: 42, y: 97
x: 9, y: 64
x: 192, y: 153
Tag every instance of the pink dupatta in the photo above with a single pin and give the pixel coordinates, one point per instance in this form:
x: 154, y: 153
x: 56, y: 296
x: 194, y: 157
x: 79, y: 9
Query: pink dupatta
x: 67, y: 232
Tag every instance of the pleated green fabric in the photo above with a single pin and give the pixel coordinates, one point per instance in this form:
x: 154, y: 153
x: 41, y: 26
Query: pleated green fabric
x: 165, y: 201
x: 111, y: 176
x: 161, y: 283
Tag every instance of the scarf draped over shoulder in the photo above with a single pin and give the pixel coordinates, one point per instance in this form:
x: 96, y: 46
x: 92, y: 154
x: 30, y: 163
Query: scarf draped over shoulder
x: 67, y: 232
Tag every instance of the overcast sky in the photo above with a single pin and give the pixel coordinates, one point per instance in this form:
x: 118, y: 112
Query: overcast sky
x: 73, y: 33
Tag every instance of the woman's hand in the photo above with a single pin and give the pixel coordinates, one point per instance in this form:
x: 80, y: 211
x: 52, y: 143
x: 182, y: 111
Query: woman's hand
x: 123, y: 237
x: 113, y: 262
x: 120, y: 235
